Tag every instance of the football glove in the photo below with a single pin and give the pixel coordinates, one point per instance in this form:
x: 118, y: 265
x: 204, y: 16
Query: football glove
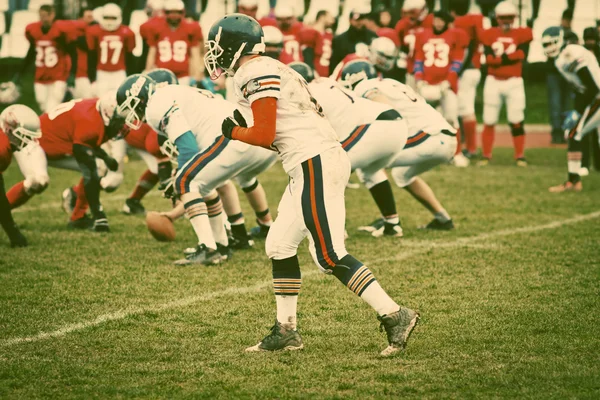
x: 230, y: 123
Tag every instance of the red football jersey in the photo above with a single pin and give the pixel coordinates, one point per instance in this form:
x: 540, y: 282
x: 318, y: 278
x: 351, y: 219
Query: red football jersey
x: 497, y: 42
x: 291, y: 40
x: 472, y: 24
x: 407, y: 32
x: 110, y: 46
x: 145, y: 139
x: 148, y: 27
x: 52, y: 62
x: 321, y: 44
x: 439, y: 57
x: 173, y: 45
x: 77, y: 121
x: 5, y: 151
x: 390, y: 34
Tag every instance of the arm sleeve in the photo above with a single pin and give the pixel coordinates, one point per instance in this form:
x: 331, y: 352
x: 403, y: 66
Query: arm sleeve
x: 6, y: 219
x: 588, y: 81
x: 264, y: 112
x: 84, y: 156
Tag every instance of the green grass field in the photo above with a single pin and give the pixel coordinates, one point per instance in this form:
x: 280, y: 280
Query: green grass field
x: 509, y: 301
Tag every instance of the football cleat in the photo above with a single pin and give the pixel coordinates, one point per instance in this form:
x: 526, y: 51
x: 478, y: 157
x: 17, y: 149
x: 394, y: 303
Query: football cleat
x: 437, y: 225
x: 84, y: 222
x: 567, y: 187
x: 69, y: 198
x: 373, y: 226
x: 521, y: 162
x: 394, y: 230
x: 460, y: 161
x: 133, y: 207
x: 398, y: 327
x: 280, y: 338
x: 483, y: 162
x: 240, y: 243
x: 201, y: 255
x: 260, y: 232
x: 224, y: 251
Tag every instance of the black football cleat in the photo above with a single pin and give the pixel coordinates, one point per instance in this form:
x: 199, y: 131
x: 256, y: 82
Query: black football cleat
x: 201, y: 255
x: 133, y: 207
x: 437, y: 225
x: 241, y: 243
x: 224, y: 251
x: 373, y: 226
x: 82, y: 223
x: 398, y: 327
x: 280, y: 338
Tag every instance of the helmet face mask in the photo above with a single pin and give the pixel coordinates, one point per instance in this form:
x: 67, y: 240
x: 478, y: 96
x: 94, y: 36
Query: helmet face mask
x: 383, y: 53
x: 355, y: 72
x: 230, y: 38
x: 21, y: 124
x: 132, y: 98
x: 174, y: 11
x: 111, y: 17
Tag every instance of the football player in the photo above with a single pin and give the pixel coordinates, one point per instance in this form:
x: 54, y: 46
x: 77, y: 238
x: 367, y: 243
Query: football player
x: 290, y: 121
x: 19, y: 127
x: 53, y: 51
x: 273, y: 42
x: 372, y: 134
x: 316, y: 41
x: 83, y: 87
x: 109, y: 49
x: 431, y: 142
x: 286, y: 21
x: 155, y: 12
x: 505, y: 49
x: 415, y: 18
x: 71, y: 139
x: 439, y: 54
x: 191, y: 119
x: 176, y: 44
x: 470, y: 74
x: 580, y: 68
x: 248, y: 7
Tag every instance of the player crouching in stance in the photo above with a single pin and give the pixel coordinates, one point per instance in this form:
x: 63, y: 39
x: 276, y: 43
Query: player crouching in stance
x: 71, y: 139
x: 289, y: 120
x: 191, y: 120
x: 19, y: 126
x: 580, y: 68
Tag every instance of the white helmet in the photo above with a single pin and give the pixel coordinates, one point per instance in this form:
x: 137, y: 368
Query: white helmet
x: 415, y: 9
x: 174, y: 6
x: 383, y: 53
x: 153, y: 6
x: 111, y: 17
x: 9, y: 93
x: 283, y: 11
x: 21, y: 124
x: 506, y: 12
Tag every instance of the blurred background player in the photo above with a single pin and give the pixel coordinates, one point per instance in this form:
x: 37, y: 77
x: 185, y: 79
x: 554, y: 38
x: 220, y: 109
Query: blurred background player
x: 248, y: 7
x: 155, y: 11
x: 470, y: 74
x: 505, y: 49
x: 176, y: 44
x: 19, y: 127
x: 415, y: 18
x: 355, y: 40
x: 438, y: 59
x: 83, y: 87
x: 53, y: 52
x: 316, y: 41
x: 273, y: 42
x: 110, y: 45
x: 383, y: 54
x: 285, y: 20
x: 71, y: 137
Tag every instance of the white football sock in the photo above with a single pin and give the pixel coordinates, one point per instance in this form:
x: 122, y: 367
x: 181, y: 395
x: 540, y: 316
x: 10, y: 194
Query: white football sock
x: 377, y: 298
x: 203, y: 231
x: 286, y: 310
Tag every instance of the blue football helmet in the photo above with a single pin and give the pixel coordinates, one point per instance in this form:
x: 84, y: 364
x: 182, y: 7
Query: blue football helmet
x: 356, y: 71
x: 303, y: 69
x: 132, y: 99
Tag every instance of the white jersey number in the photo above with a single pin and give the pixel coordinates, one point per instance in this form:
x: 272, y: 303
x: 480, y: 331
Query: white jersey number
x: 326, y: 56
x: 176, y: 52
x: 113, y: 45
x: 45, y: 57
x: 292, y: 47
x: 499, y: 49
x: 436, y: 54
x: 409, y: 40
x: 62, y: 108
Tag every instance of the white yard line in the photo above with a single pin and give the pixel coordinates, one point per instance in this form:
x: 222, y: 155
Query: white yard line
x: 187, y: 301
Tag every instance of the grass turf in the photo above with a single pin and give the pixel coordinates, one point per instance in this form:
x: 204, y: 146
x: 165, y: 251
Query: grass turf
x: 509, y: 314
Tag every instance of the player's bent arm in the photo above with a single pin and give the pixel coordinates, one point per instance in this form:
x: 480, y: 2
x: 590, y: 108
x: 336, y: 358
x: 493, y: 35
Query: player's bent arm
x: 85, y: 157
x: 264, y: 112
x: 588, y: 81
x: 6, y: 220
x: 150, y: 60
x: 519, y: 54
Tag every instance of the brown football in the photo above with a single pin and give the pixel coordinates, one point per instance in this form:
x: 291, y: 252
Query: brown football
x: 160, y: 226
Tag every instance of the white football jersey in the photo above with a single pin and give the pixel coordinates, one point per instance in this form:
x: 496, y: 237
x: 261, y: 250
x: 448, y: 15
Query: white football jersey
x: 419, y: 116
x: 571, y: 59
x: 344, y: 109
x: 175, y: 109
x: 302, y: 132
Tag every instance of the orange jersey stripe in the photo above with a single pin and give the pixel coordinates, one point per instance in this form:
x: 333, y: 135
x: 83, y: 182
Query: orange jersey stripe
x: 357, y: 132
x: 415, y: 138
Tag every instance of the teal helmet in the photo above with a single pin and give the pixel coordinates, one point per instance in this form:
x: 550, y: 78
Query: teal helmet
x: 303, y: 69
x: 553, y: 41
x: 132, y: 99
x: 164, y: 76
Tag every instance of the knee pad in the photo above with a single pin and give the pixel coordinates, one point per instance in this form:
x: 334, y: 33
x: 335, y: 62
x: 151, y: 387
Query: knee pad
x: 517, y: 129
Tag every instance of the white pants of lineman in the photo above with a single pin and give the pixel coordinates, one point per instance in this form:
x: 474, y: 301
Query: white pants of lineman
x: 34, y: 167
x: 446, y: 101
x: 223, y: 160
x: 374, y: 146
x: 430, y: 152
x: 497, y: 92
x: 49, y: 95
x: 106, y: 81
x: 313, y: 205
x: 467, y: 91
x: 82, y: 89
